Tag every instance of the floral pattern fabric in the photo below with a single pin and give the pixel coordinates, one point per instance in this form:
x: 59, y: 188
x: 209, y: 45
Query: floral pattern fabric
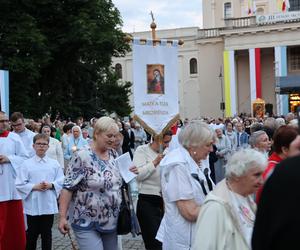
x: 95, y: 184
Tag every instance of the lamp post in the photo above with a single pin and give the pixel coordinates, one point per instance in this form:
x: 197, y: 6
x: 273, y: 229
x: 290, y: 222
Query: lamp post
x: 222, y: 103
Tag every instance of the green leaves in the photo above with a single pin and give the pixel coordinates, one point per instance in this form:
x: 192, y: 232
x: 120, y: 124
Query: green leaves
x: 59, y: 56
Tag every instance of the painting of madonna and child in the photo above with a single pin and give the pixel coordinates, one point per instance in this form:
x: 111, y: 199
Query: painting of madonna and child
x: 155, y: 79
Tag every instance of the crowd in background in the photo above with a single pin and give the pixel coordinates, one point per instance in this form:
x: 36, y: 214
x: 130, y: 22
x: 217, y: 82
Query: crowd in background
x: 186, y: 179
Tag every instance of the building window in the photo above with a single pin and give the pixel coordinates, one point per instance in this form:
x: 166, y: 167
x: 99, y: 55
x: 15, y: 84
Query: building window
x: 294, y: 59
x: 193, y: 66
x: 294, y: 5
x: 227, y: 10
x: 118, y: 69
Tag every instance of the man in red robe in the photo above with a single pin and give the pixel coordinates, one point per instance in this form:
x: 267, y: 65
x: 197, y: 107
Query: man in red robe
x: 12, y: 154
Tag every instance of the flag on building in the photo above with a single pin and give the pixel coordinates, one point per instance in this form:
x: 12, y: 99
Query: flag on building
x: 283, y: 5
x: 251, y: 7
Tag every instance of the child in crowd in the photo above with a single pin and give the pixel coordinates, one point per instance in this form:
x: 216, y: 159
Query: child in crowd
x: 39, y: 182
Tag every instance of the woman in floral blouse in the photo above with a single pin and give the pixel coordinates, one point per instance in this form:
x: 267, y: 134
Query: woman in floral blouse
x: 91, y: 192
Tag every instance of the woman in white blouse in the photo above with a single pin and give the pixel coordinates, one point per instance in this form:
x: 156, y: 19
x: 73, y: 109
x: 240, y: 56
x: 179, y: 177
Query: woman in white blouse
x: 227, y: 216
x: 55, y: 149
x: 185, y: 181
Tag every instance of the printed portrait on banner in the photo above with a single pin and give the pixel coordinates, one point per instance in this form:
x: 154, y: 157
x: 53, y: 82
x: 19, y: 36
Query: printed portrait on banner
x: 155, y: 79
x: 258, y: 110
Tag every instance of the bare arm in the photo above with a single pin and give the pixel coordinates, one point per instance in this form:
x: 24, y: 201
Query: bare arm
x: 188, y: 209
x: 64, y: 201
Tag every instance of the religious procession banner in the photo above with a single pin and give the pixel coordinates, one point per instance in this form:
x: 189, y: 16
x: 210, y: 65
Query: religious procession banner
x: 155, y: 81
x: 4, y: 91
x: 258, y: 107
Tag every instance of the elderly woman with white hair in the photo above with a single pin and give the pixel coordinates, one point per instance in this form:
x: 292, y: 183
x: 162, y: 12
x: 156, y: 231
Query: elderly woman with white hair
x: 92, y: 185
x: 185, y: 182
x: 227, y: 217
x: 260, y: 141
x: 76, y: 142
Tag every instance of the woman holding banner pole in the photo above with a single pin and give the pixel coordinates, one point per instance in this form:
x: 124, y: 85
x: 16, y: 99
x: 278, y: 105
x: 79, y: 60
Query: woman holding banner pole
x: 150, y: 203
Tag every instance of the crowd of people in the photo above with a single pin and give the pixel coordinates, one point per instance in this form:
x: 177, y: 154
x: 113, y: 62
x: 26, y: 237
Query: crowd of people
x: 197, y: 185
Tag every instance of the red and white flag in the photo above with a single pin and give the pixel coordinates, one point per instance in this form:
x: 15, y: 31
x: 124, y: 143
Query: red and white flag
x: 284, y: 5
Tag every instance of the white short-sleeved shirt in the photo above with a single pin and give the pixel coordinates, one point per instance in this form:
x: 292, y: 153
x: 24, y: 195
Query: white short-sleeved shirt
x: 175, y: 231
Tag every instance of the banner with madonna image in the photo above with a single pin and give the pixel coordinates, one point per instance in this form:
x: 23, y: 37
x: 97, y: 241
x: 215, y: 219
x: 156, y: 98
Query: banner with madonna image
x: 155, y: 84
x: 4, y: 91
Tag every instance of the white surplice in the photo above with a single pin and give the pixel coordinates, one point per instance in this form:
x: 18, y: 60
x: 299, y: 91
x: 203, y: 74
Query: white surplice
x: 55, y: 151
x: 27, y: 139
x: 13, y: 148
x: 36, y: 170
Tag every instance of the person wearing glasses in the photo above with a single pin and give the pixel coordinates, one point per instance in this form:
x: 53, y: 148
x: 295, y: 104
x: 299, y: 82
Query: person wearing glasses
x: 185, y: 181
x: 39, y: 183
x: 18, y: 126
x: 12, y: 155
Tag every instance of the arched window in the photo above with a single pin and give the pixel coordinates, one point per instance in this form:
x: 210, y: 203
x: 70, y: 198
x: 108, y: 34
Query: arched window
x: 227, y: 10
x: 118, y: 69
x: 193, y: 66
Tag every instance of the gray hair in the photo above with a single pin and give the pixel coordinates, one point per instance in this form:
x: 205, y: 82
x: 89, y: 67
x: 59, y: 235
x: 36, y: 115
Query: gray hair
x: 104, y: 124
x: 293, y: 123
x: 80, y: 132
x: 243, y: 160
x: 270, y: 122
x: 279, y: 122
x: 195, y: 134
x: 253, y: 139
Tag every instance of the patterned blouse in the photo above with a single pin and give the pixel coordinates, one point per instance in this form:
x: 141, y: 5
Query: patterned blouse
x: 95, y: 184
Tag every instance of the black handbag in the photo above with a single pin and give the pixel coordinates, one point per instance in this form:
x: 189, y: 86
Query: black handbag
x: 124, y: 219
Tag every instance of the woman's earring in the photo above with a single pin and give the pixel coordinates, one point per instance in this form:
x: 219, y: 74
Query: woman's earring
x: 194, y: 152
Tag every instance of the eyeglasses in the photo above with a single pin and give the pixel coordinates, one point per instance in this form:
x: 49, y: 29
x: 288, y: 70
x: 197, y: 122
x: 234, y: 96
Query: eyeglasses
x: 17, y: 125
x: 5, y: 120
x: 41, y: 144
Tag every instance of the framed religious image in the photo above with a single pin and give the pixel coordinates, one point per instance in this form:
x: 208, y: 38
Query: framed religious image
x: 258, y: 108
x: 155, y: 79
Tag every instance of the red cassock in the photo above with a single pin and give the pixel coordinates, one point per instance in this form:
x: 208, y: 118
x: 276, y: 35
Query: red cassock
x: 12, y: 228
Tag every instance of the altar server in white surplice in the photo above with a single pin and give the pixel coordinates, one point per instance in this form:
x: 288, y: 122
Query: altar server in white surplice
x: 39, y: 182
x: 18, y: 125
x: 12, y: 155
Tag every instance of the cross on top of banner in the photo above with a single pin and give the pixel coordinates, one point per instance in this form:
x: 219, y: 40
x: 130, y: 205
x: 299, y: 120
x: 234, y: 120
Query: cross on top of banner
x: 154, y: 39
x: 155, y: 82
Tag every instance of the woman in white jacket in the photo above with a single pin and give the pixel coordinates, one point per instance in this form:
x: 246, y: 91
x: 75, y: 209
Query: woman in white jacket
x: 228, y: 213
x: 185, y: 183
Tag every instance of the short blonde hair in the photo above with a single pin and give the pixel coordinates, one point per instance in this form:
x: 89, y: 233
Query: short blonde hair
x: 243, y: 160
x: 104, y: 124
x: 196, y: 134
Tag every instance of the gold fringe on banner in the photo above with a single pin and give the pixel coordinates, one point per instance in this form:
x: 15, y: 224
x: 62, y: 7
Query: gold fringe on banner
x: 151, y: 131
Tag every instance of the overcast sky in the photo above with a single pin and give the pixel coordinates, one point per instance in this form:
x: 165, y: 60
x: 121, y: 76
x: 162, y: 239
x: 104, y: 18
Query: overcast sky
x: 167, y: 13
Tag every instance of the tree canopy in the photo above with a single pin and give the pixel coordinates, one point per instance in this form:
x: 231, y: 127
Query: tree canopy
x: 58, y: 53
